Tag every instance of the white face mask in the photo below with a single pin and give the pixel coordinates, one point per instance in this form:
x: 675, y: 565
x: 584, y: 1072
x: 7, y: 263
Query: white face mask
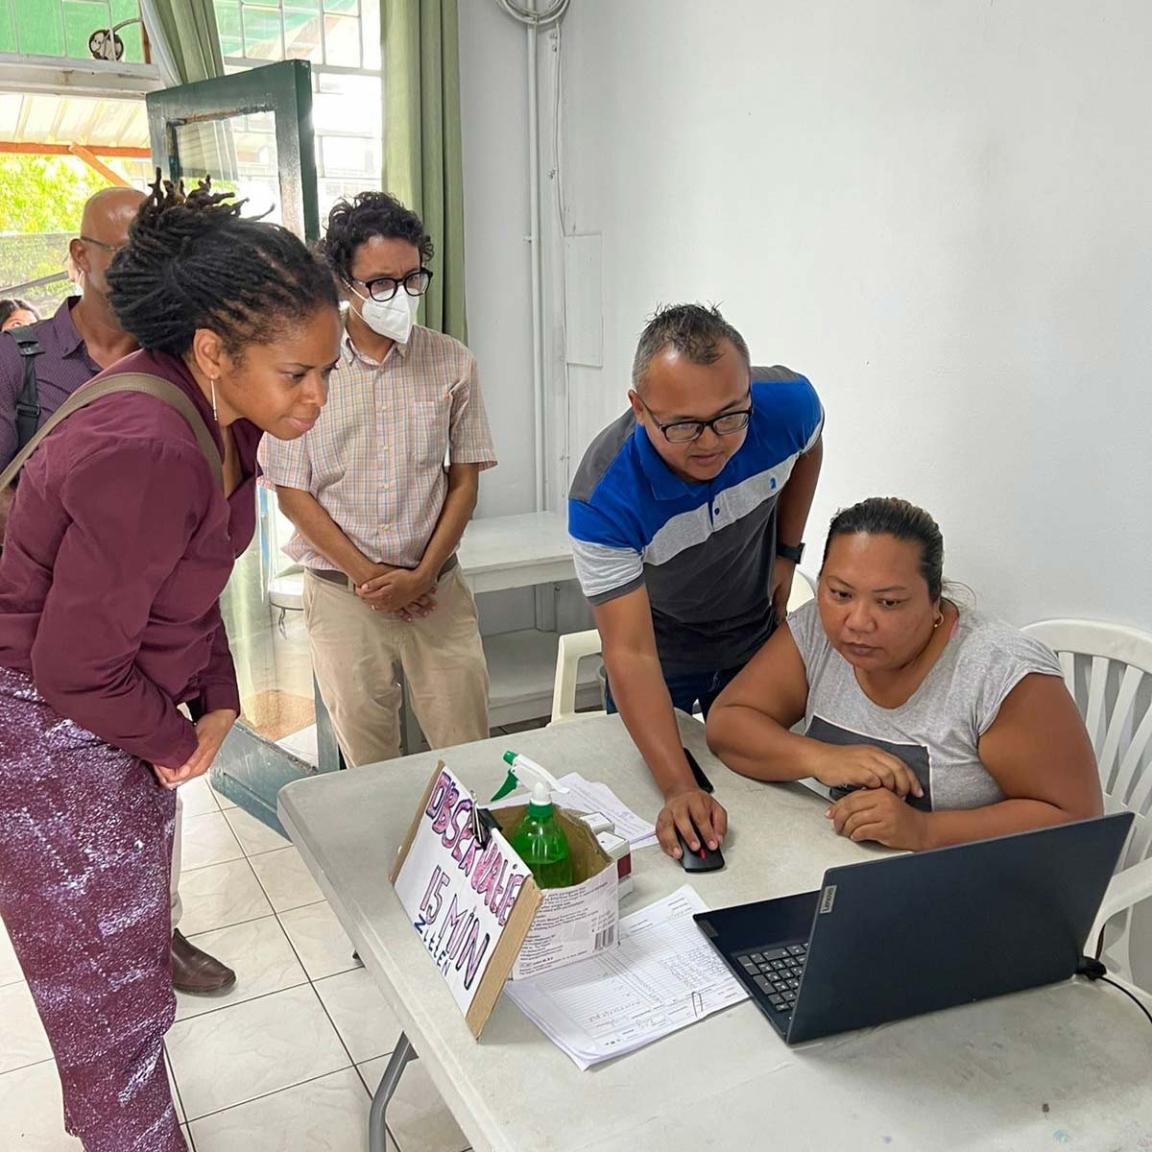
x: 392, y: 318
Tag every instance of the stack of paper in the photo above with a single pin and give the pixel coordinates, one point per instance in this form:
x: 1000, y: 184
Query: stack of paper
x: 592, y: 796
x: 663, y: 977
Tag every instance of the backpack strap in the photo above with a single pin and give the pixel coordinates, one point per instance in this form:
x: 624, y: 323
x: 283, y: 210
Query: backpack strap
x: 28, y: 405
x: 163, y: 390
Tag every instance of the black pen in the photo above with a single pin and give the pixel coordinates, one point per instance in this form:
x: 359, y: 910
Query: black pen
x: 483, y: 824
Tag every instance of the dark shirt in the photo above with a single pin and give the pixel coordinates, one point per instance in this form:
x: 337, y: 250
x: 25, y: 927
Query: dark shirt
x: 118, y: 547
x: 62, y: 366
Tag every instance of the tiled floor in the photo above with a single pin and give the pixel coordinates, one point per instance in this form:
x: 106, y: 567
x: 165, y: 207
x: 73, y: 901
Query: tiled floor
x: 285, y: 1061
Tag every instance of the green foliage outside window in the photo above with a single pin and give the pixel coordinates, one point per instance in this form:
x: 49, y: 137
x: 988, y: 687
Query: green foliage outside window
x: 41, y: 200
x: 45, y: 193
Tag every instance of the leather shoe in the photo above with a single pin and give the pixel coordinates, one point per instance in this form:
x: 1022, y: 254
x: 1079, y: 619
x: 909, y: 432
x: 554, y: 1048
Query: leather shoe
x: 193, y: 970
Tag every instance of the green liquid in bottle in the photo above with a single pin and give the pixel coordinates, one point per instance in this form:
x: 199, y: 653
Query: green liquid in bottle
x: 540, y: 842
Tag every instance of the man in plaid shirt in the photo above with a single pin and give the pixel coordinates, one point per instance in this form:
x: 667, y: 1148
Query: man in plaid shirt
x: 380, y: 491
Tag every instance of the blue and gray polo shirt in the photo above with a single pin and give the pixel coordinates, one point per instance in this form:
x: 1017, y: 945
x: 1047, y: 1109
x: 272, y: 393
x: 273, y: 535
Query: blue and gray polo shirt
x: 704, y: 551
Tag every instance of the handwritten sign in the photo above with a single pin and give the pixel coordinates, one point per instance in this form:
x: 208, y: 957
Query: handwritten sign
x: 464, y: 898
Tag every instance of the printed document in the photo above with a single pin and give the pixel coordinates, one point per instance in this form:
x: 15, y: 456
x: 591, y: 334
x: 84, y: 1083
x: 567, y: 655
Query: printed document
x: 663, y: 977
x: 592, y: 796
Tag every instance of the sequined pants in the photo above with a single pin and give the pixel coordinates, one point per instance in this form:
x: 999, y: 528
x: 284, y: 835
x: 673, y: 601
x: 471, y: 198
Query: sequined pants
x: 85, y: 852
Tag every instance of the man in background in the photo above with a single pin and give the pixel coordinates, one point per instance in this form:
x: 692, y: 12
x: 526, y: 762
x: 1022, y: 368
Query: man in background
x: 380, y: 492
x: 83, y: 337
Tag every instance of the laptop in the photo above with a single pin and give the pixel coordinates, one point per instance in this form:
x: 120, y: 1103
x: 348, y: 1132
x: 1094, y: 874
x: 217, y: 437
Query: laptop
x: 893, y: 938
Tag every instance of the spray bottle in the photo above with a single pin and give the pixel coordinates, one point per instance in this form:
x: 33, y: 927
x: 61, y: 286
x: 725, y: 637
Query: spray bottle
x: 538, y: 839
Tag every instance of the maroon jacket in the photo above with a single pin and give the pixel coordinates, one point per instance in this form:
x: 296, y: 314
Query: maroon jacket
x: 117, y: 550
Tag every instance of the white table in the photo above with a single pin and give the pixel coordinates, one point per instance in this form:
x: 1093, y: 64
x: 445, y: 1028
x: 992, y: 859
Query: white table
x: 1064, y: 1065
x: 503, y: 552
x: 496, y: 553
x: 499, y: 553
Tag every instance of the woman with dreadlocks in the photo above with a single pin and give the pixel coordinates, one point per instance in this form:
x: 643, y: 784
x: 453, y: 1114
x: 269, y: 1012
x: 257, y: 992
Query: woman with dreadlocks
x: 119, y: 545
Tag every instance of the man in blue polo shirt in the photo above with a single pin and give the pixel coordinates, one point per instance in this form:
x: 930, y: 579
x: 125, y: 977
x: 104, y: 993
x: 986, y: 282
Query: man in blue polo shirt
x: 687, y: 518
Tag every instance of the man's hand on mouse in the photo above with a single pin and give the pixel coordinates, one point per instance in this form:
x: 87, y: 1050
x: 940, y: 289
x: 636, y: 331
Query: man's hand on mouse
x: 880, y: 815
x: 689, y: 809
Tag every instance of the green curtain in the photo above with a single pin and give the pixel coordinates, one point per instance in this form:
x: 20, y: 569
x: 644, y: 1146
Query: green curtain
x: 191, y: 41
x: 420, y: 43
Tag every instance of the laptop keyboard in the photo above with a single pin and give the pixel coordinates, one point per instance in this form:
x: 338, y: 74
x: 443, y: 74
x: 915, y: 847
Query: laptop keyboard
x: 776, y: 972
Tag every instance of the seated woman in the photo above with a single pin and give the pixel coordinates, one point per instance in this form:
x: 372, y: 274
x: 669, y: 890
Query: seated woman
x: 942, y: 724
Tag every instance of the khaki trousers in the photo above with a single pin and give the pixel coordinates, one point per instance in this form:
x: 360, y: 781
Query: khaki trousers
x: 355, y: 652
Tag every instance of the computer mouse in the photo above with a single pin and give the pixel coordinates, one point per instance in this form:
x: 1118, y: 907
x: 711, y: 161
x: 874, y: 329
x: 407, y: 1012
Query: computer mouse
x: 705, y: 859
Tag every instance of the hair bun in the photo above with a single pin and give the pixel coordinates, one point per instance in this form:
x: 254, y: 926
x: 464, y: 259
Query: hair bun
x: 192, y: 261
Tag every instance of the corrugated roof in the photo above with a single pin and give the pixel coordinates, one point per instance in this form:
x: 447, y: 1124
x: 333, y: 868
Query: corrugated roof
x: 95, y: 122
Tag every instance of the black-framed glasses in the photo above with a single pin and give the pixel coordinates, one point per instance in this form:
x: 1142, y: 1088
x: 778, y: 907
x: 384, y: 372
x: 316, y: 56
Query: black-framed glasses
x: 113, y: 248
x: 685, y: 431
x: 383, y: 288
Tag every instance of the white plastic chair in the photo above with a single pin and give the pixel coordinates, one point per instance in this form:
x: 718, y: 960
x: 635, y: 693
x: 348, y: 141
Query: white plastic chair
x: 803, y: 590
x: 574, y: 646
x: 1108, y: 670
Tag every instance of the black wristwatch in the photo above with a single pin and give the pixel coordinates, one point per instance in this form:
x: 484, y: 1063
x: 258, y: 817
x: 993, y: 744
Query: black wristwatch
x: 787, y: 552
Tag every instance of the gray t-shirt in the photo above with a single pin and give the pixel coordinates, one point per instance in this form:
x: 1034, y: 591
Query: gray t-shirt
x: 937, y: 731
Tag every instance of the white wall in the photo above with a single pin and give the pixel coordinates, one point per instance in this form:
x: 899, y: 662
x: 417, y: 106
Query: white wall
x: 493, y: 82
x: 938, y: 211
x: 493, y: 78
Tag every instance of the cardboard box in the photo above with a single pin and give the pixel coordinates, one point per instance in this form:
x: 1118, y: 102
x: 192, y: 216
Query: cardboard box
x: 616, y: 847
x: 620, y: 851
x: 571, y: 923
x: 476, y: 907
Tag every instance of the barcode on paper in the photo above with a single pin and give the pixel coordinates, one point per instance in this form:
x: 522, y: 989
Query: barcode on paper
x: 605, y: 938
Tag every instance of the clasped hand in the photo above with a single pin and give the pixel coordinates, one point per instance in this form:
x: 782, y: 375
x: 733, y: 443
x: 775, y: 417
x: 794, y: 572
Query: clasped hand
x: 878, y: 809
x: 211, y: 730
x: 399, y: 592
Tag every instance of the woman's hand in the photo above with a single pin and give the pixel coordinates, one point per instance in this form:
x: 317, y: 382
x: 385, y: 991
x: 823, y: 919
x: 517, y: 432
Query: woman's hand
x: 880, y: 815
x: 211, y: 729
x: 863, y: 766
